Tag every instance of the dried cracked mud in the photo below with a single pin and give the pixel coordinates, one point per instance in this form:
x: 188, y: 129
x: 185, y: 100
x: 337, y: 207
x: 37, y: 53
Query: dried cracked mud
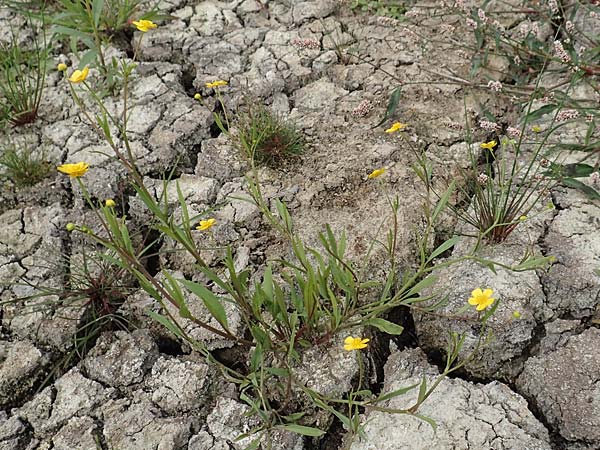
x: 536, y: 387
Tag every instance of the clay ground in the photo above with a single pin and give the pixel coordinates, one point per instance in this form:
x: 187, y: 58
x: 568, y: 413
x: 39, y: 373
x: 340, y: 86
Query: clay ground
x: 535, y: 387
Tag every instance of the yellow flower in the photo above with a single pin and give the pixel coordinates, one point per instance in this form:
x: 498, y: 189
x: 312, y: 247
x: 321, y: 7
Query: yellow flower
x: 74, y: 170
x: 376, y: 173
x: 79, y: 75
x: 396, y: 126
x: 144, y: 25
x: 206, y: 224
x: 197, y: 96
x: 536, y: 129
x: 354, y: 343
x: 110, y: 203
x: 481, y: 299
x: 489, y: 145
x: 217, y: 83
x: 61, y: 67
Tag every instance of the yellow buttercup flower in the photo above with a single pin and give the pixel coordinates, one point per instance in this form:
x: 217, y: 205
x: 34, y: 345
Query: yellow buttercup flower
x: 489, y: 145
x: 396, y: 126
x: 61, y: 67
x: 79, y: 75
x: 481, y: 298
x: 74, y: 170
x: 206, y: 224
x: 144, y: 25
x: 197, y: 96
x: 376, y: 173
x: 110, y: 203
x: 217, y: 83
x: 354, y: 343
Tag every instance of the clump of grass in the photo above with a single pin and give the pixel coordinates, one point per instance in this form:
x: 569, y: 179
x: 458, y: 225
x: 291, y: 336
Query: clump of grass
x: 266, y: 138
x: 24, y: 166
x: 22, y: 77
x: 94, y: 289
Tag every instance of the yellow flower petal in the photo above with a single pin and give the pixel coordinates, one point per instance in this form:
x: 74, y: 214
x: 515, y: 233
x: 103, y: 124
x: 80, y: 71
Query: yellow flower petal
x: 217, y: 83
x: 110, y: 203
x: 144, y: 25
x: 61, y: 67
x: 481, y: 299
x: 206, y: 224
x: 396, y: 126
x: 477, y: 292
x: 376, y: 173
x: 489, y: 145
x: 79, y: 75
x: 74, y: 170
x: 355, y: 343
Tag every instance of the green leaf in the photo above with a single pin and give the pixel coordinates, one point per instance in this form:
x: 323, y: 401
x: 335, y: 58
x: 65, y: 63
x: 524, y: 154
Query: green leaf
x: 210, y: 300
x: 490, y: 311
x: 345, y: 420
x: 97, y: 10
x: 442, y: 202
x: 444, y: 247
x: 429, y: 420
x: 385, y: 326
x: 533, y: 263
x: 126, y: 239
x: 591, y: 193
x: 177, y: 295
x: 267, y: 284
x: 164, y: 321
x: 392, y: 105
x: 534, y: 115
x: 301, y: 429
x: 87, y: 58
x: 396, y: 393
x: 422, y: 390
x: 75, y: 34
x: 423, y: 284
x: 578, y: 170
x: 260, y: 336
x: 294, y: 417
x: 256, y: 359
x: 253, y: 445
x: 280, y: 372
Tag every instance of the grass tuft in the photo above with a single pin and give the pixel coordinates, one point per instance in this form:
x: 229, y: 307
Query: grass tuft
x: 24, y: 166
x: 266, y: 138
